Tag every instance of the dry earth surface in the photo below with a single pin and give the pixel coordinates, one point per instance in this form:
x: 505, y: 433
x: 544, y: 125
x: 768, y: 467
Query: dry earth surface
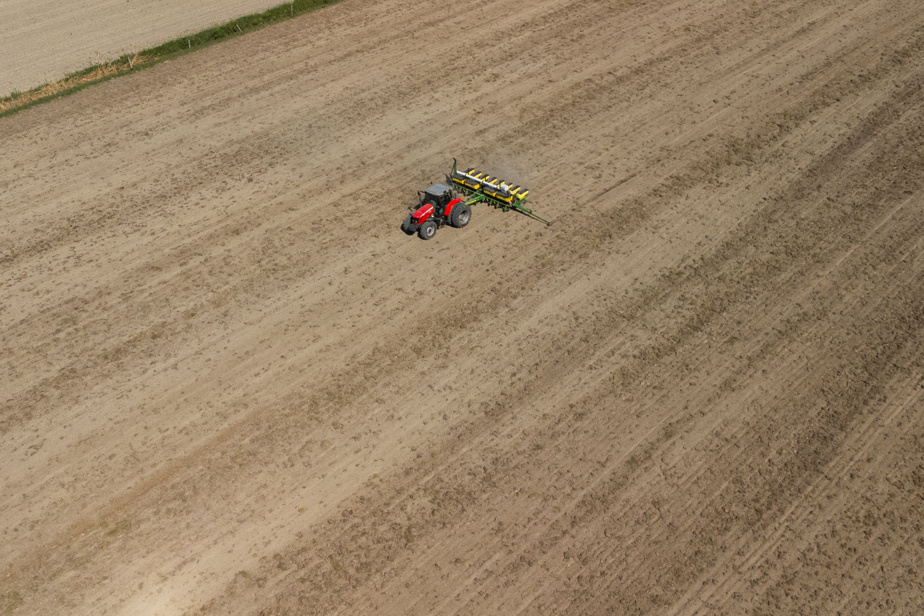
x: 43, y: 40
x: 231, y: 385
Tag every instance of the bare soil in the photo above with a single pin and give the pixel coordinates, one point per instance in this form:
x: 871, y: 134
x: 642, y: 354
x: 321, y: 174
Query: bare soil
x: 231, y: 385
x: 44, y: 40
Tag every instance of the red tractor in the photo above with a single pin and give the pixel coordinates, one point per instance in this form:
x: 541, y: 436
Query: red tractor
x: 438, y: 206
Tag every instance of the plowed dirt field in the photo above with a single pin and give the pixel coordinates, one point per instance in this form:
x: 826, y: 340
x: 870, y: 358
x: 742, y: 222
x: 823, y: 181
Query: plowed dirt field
x: 231, y: 385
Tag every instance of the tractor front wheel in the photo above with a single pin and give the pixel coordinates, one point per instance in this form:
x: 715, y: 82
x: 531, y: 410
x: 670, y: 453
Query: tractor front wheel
x: 427, y: 230
x: 461, y: 215
x: 407, y: 226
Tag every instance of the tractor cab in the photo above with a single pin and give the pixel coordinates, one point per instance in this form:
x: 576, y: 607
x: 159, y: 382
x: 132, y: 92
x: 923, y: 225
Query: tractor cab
x: 439, y: 195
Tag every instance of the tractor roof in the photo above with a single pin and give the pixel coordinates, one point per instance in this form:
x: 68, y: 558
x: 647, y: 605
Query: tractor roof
x: 438, y: 189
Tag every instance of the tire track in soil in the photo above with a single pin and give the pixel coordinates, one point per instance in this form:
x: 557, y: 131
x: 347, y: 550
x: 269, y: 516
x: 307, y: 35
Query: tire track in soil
x: 838, y: 156
x: 519, y: 430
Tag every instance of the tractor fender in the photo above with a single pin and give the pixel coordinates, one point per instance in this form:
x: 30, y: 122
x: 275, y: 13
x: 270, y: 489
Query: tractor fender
x: 450, y: 206
x: 422, y: 214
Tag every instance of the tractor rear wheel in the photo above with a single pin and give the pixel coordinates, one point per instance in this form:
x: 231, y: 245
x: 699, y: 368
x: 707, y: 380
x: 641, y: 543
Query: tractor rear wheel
x: 461, y: 216
x: 427, y: 230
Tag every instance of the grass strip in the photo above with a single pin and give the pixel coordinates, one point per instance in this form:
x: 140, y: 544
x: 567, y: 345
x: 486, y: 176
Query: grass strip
x: 129, y: 63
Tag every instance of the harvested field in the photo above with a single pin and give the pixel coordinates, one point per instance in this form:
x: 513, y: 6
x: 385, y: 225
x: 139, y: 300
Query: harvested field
x: 42, y: 40
x: 231, y: 385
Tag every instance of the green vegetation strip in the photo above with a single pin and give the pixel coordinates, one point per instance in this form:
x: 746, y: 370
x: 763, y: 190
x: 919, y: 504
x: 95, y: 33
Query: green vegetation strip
x: 74, y: 82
